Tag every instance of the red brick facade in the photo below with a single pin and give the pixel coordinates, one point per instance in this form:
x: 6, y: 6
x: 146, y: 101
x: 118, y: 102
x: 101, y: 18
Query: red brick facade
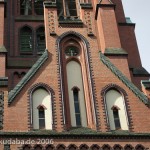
x: 109, y: 59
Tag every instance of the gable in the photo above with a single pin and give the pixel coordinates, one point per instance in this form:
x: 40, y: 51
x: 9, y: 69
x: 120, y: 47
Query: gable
x: 124, y: 79
x: 13, y: 93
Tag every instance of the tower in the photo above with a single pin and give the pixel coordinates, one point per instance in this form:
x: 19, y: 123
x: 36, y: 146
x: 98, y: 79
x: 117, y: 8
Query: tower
x: 69, y: 79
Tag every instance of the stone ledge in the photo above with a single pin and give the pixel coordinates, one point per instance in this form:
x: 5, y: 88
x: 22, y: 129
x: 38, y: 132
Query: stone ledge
x: 115, y: 51
x: 146, y: 84
x: 86, y: 6
x: 78, y: 133
x: 3, y: 81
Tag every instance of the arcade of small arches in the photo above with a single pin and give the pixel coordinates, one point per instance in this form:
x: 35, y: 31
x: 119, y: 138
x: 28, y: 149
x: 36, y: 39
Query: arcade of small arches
x: 84, y: 147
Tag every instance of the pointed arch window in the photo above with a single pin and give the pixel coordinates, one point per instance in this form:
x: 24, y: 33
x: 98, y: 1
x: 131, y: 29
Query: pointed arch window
x: 41, y: 115
x: 116, y: 110
x: 66, y: 8
x: 25, y: 7
x: 26, y: 40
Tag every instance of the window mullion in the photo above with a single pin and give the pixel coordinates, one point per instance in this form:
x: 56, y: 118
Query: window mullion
x: 64, y: 8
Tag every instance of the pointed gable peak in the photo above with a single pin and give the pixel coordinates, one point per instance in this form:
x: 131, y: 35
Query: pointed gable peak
x: 105, y: 2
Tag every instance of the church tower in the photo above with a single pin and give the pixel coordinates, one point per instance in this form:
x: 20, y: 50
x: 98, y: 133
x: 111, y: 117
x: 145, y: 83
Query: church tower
x: 71, y: 77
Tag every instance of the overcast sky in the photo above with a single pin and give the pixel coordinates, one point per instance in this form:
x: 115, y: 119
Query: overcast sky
x: 139, y: 12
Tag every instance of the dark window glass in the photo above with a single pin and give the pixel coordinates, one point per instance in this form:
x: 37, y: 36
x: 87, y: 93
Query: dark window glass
x: 26, y: 40
x: 77, y: 107
x: 78, y: 120
x: 66, y: 8
x: 116, y: 119
x: 60, y: 10
x: 38, y: 7
x: 25, y: 7
x: 41, y: 118
x: 71, y: 8
x: 40, y: 39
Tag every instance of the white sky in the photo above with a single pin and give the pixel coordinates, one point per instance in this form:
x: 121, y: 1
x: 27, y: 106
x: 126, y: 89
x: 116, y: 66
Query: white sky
x: 139, y: 13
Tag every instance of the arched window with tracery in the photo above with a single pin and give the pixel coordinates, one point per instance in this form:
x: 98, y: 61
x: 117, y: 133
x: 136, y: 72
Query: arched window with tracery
x: 66, y: 8
x: 116, y: 110
x: 75, y: 83
x: 26, y: 40
x: 31, y: 7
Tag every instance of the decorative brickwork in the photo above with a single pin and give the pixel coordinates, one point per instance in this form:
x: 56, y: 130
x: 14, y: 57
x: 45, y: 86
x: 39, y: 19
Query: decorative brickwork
x: 82, y: 147
x: 88, y: 22
x: 1, y: 109
x: 51, y: 20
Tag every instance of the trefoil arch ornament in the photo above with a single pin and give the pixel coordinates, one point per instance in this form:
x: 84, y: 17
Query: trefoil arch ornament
x: 126, y: 101
x: 53, y: 101
x: 87, y: 54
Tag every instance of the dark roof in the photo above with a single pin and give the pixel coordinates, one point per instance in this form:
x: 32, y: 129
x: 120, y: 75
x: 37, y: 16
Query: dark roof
x: 13, y: 93
x: 124, y: 79
x: 146, y: 83
x: 140, y: 71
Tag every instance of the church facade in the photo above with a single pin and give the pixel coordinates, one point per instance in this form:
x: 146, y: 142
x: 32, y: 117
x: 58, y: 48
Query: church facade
x: 71, y: 77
